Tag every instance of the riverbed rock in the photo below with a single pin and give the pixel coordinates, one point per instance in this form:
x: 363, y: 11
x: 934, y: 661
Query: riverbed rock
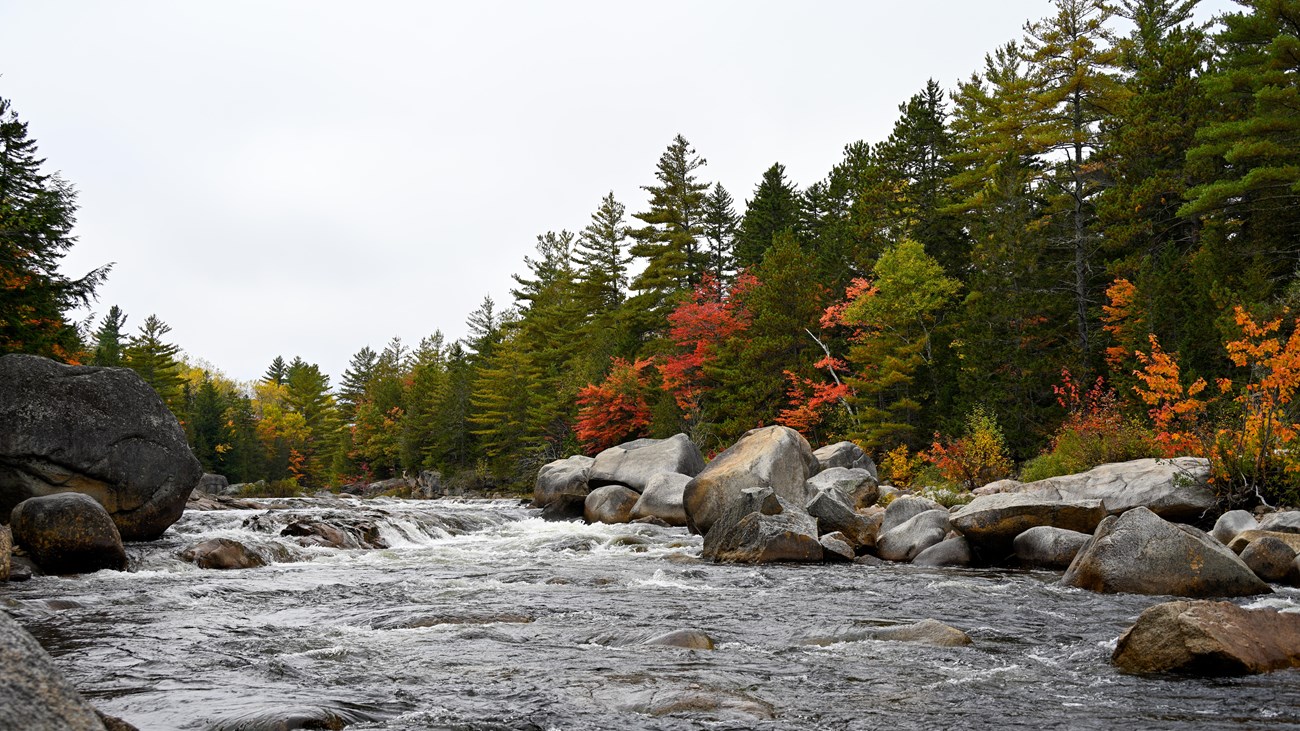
x: 1232, y: 523
x: 860, y: 489
x: 102, y: 432
x: 610, y: 504
x: 1175, y: 489
x: 992, y: 522
x: 835, y: 547
x: 900, y: 510
x: 1210, y: 639
x: 759, y: 527
x: 1048, y: 547
x: 908, y: 540
x: 834, y: 515
x: 1283, y: 521
x: 1270, y: 558
x: 210, y: 484
x: 561, y: 488
x: 222, y: 553
x: 634, y: 463
x: 926, y: 632
x: 690, y: 639
x: 68, y: 533
x: 951, y: 551
x: 847, y: 455
x: 777, y: 457
x: 662, y: 499
x: 1141, y: 553
x: 1247, y: 537
x: 34, y: 694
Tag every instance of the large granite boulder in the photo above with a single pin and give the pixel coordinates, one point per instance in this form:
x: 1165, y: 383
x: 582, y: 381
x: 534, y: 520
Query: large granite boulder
x: 992, y: 522
x: 222, y: 553
x: 777, y: 457
x: 847, y: 455
x: 68, y: 533
x: 1270, y: 558
x: 610, y: 504
x: 1141, y: 553
x: 34, y: 695
x: 634, y: 463
x: 1284, y: 521
x: 952, y: 551
x: 760, y: 527
x: 859, y: 487
x: 210, y: 484
x: 1231, y: 523
x: 102, y: 432
x: 561, y: 487
x: 1209, y: 638
x: 834, y: 514
x: 1175, y: 489
x: 662, y: 499
x: 908, y: 540
x: 1047, y: 547
x: 900, y: 510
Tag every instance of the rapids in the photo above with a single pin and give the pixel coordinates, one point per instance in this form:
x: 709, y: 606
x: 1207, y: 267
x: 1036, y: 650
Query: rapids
x: 480, y: 615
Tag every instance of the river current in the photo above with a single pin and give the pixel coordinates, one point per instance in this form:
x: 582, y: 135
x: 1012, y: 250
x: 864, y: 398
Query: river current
x: 480, y: 615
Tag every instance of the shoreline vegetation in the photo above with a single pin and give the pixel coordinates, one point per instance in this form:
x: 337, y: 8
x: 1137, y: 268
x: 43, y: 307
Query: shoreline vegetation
x: 1083, y: 254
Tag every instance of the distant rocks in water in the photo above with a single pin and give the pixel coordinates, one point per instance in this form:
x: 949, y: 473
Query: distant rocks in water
x: 34, y: 694
x: 1048, y: 547
x: 1141, y: 553
x: 210, y: 484
x: 222, y: 553
x: 926, y: 632
x: 426, y: 485
x: 846, y: 455
x: 102, y: 432
x: 1175, y: 489
x: 610, y: 504
x: 662, y: 499
x: 633, y: 464
x: 68, y: 533
x: 689, y: 639
x: 1209, y: 639
x: 775, y: 457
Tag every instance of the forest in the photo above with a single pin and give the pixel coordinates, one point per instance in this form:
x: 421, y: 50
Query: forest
x: 1088, y: 251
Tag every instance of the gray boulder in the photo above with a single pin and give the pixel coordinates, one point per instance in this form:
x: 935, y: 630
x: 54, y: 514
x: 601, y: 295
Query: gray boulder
x: 834, y: 515
x: 102, y: 432
x: 900, y: 510
x: 68, y: 533
x: 759, y: 527
x: 908, y: 540
x: 1141, y: 553
x: 1232, y: 523
x: 992, y: 522
x: 210, y: 484
x: 777, y: 457
x: 847, y: 455
x: 1048, y: 547
x: 610, y: 504
x: 1209, y: 639
x: 634, y: 463
x: 952, y: 551
x: 222, y: 553
x: 1270, y: 558
x: 561, y: 488
x: 1175, y: 489
x: 662, y: 499
x: 835, y: 547
x: 859, y: 486
x: 34, y: 694
x: 1284, y: 521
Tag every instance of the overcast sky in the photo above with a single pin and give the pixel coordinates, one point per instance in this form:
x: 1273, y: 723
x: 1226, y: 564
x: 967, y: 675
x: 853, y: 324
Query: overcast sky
x: 306, y: 178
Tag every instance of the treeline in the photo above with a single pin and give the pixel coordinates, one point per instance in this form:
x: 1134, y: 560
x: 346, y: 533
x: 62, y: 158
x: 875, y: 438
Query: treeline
x: 1108, y: 196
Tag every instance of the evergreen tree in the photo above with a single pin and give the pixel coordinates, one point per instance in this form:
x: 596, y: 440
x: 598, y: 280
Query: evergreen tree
x: 356, y: 381
x: 428, y: 390
x: 155, y: 361
x: 109, y: 339
x: 307, y: 393
x: 505, y: 411
x: 484, y: 330
x: 774, y: 209
x: 37, y: 213
x: 277, y: 372
x: 720, y: 228
x: 206, y: 425
x: 601, y: 258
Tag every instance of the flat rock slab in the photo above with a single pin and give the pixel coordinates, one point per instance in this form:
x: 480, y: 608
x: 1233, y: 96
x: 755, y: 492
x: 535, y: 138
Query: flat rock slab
x: 992, y: 522
x: 1209, y: 638
x: 633, y: 464
x: 1174, y: 489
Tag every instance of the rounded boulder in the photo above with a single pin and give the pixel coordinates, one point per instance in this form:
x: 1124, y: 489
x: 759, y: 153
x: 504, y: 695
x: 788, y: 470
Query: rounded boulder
x: 610, y: 504
x: 68, y: 533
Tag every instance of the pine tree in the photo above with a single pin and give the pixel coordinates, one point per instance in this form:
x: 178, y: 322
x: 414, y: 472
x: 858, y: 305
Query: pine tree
x: 308, y: 394
x: 505, y: 411
x: 37, y: 213
x: 155, y: 361
x: 774, y: 209
x: 484, y: 326
x: 276, y: 372
x: 720, y: 228
x: 601, y: 258
x: 429, y: 383
x: 109, y: 339
x: 356, y: 381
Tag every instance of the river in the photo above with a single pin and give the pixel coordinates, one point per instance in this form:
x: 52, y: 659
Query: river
x: 481, y: 616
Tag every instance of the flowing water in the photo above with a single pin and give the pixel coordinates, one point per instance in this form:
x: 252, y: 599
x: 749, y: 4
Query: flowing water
x: 480, y: 615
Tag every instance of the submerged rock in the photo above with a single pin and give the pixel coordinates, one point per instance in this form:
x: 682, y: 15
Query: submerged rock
x: 610, y: 504
x: 690, y: 639
x: 1209, y: 638
x: 1140, y: 553
x: 222, y: 553
x: 633, y: 464
x: 34, y: 694
x: 775, y: 457
x: 68, y: 533
x: 101, y: 432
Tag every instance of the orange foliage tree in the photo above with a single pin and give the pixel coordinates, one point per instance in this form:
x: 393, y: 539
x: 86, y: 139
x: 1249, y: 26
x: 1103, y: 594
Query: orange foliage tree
x: 697, y: 327
x: 617, y: 409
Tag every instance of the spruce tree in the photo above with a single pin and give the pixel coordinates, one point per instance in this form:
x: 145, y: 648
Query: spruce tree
x: 601, y: 258
x: 276, y: 372
x: 720, y: 228
x: 154, y: 359
x: 356, y: 380
x: 109, y: 339
x: 774, y: 209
